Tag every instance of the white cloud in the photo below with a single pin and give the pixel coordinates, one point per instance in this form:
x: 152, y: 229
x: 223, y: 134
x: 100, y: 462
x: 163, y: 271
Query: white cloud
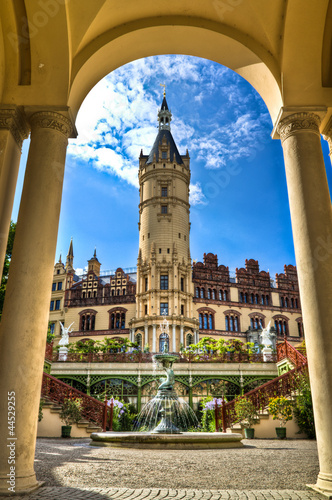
x: 119, y: 116
x: 196, y: 196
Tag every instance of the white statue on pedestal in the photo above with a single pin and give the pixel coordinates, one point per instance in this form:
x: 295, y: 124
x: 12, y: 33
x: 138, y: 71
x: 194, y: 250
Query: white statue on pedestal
x: 267, y: 342
x: 64, y: 341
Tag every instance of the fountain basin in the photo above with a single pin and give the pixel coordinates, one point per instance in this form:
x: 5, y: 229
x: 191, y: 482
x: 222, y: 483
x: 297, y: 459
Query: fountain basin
x: 183, y: 441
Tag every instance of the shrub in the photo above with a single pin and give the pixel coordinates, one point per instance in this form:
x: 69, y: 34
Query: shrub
x: 71, y: 411
x: 281, y: 409
x: 246, y: 412
x: 303, y: 409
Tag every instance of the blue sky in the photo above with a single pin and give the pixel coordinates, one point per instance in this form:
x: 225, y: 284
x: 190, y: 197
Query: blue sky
x: 239, y: 204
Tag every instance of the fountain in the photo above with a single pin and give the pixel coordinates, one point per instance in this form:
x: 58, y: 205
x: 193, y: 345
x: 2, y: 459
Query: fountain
x: 165, y: 420
x: 176, y: 415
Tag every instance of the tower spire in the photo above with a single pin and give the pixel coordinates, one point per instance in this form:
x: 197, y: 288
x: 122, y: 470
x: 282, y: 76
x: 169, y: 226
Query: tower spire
x: 70, y: 258
x: 164, y: 114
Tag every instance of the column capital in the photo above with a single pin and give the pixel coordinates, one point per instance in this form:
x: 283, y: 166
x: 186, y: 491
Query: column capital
x: 293, y: 119
x: 56, y: 118
x: 12, y: 118
x: 298, y: 122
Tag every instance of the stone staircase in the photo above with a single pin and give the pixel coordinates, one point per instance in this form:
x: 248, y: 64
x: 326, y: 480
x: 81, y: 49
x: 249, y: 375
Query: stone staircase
x: 82, y: 429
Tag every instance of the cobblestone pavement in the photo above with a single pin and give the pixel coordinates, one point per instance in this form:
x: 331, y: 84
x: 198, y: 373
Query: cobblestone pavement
x: 61, y: 493
x: 262, y: 470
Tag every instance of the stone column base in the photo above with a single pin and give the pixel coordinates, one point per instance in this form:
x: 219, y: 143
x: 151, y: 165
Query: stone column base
x: 323, y: 485
x: 23, y: 485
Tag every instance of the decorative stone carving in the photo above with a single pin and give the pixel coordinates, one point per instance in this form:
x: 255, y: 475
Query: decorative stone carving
x: 11, y: 118
x: 298, y: 122
x: 53, y: 120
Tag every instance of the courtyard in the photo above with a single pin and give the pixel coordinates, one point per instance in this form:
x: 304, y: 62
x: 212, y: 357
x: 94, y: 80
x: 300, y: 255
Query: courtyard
x: 264, y: 469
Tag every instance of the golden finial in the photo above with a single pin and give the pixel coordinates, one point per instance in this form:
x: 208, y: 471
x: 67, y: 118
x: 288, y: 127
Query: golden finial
x: 164, y: 85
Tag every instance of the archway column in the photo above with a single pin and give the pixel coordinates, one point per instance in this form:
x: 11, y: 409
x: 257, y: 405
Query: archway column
x: 25, y: 315
x: 13, y: 130
x: 311, y: 216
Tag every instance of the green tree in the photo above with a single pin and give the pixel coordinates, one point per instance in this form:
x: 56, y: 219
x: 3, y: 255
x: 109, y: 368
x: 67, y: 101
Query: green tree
x: 5, y: 271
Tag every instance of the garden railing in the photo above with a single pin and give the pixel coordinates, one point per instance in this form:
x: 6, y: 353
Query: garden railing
x: 285, y: 350
x: 57, y: 391
x: 285, y: 385
x: 141, y: 357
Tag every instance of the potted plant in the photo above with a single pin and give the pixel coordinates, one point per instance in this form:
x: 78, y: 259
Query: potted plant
x: 71, y: 413
x: 246, y: 413
x: 281, y: 409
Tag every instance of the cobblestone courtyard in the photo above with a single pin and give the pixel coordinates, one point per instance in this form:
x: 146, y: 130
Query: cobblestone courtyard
x: 263, y: 469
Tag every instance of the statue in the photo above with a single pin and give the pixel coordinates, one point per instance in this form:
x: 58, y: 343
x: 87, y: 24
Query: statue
x: 65, y: 334
x: 168, y: 382
x: 266, y: 336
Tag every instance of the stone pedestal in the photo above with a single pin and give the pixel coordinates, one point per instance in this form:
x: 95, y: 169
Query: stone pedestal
x: 63, y: 352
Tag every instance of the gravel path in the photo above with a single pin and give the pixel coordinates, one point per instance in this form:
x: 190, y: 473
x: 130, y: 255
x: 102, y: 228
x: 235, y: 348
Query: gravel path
x: 260, y: 465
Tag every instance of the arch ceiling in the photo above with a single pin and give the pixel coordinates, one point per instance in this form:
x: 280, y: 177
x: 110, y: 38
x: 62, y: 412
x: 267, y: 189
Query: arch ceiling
x: 52, y: 52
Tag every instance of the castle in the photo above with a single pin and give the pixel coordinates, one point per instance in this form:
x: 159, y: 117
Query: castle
x: 199, y: 299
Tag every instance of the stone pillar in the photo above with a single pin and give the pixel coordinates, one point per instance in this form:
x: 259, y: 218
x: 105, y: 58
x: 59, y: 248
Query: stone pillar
x: 13, y: 130
x: 174, y: 338
x: 310, y: 207
x: 146, y: 334
x: 181, y: 336
x: 154, y: 339
x: 25, y: 315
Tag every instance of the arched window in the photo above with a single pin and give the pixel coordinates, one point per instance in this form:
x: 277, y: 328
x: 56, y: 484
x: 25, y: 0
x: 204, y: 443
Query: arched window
x: 286, y: 302
x: 202, y: 293
x: 189, y: 339
x: 241, y: 296
x: 252, y: 323
x: 236, y: 323
x: 201, y: 321
x: 209, y: 293
x: 296, y: 304
x: 210, y: 322
x: 138, y: 340
x: 262, y: 300
x: 252, y: 298
x: 300, y: 327
x: 117, y: 319
x: 95, y: 293
x: 206, y: 318
x: 292, y: 303
x: 113, y: 292
x: 118, y: 291
x: 227, y: 323
x: 282, y: 302
x: 267, y: 300
x: 256, y: 298
x: 232, y: 321
x: 197, y: 292
x: 214, y: 294
x: 124, y: 291
x: 246, y: 298
x: 281, y: 325
x: 87, y: 320
x: 220, y: 294
x: 225, y: 295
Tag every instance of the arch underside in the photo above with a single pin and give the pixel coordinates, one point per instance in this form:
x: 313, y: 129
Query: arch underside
x: 282, y: 49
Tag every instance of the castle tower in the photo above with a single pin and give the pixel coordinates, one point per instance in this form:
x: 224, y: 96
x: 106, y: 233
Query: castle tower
x: 94, y: 265
x: 164, y: 284
x: 70, y: 258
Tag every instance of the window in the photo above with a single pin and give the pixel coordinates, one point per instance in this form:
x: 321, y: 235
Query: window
x: 281, y: 325
x: 256, y: 299
x: 213, y: 294
x: 167, y: 250
x: 210, y: 322
x: 232, y: 321
x: 52, y: 305
x: 197, y: 292
x: 205, y: 321
x: 58, y: 271
x: 225, y: 295
x: 209, y: 293
x: 282, y: 302
x: 220, y: 294
x: 146, y: 284
x: 60, y: 285
x: 164, y: 308
x: 163, y: 342
x: 164, y: 192
x: 262, y: 299
x: 57, y: 305
x: 245, y: 298
x: 241, y: 297
x: 52, y: 328
x: 117, y: 319
x: 159, y: 250
x: 164, y: 155
x: 252, y: 298
x: 53, y: 287
x: 87, y: 321
x: 189, y: 339
x: 267, y: 300
x: 182, y: 309
x: 164, y: 282
x: 138, y: 340
x: 145, y: 309
x: 182, y: 284
x: 164, y: 209
x: 201, y: 321
x: 202, y: 293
